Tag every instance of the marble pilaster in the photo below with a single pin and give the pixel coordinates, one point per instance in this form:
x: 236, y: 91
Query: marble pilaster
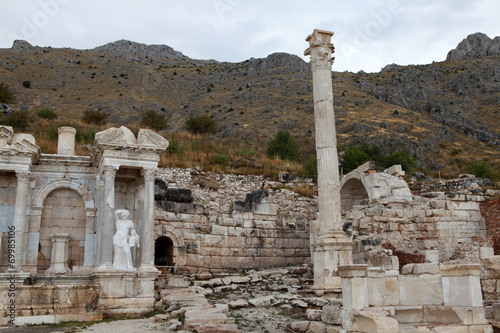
x: 20, y: 217
x: 107, y: 224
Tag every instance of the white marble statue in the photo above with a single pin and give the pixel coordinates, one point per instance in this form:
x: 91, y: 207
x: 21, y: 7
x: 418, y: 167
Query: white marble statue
x: 124, y: 238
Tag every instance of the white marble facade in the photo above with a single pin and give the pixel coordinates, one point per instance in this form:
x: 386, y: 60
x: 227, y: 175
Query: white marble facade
x: 44, y: 195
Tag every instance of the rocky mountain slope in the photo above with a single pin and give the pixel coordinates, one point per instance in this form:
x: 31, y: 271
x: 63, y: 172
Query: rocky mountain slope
x: 445, y: 113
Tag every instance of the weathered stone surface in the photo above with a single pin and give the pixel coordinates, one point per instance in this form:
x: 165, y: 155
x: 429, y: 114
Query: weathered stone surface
x: 216, y: 328
x: 262, y: 301
x: 313, y: 314
x: 299, y: 326
x: 331, y: 314
x: 317, y: 327
x: 177, y: 282
x: 369, y: 322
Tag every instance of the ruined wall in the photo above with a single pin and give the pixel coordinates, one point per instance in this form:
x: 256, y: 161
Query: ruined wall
x: 455, y: 225
x: 232, y: 222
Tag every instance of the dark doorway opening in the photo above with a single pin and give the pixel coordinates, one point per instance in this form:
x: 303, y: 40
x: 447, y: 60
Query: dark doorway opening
x: 164, y: 251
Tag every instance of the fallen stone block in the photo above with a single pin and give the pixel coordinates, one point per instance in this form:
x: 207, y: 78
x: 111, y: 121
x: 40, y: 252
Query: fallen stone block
x: 177, y: 282
x: 299, y: 326
x: 239, y: 303
x: 317, y: 327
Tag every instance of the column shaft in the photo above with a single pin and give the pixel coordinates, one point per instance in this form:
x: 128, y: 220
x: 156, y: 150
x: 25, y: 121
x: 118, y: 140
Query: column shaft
x: 147, y: 223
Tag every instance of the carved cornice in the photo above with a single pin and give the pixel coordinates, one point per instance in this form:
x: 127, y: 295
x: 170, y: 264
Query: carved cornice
x: 320, y: 49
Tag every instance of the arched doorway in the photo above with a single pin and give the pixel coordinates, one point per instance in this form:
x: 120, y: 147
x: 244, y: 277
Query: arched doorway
x: 164, y: 247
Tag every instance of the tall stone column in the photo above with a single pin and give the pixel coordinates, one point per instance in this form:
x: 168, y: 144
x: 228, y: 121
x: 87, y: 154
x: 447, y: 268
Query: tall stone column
x: 20, y: 217
x: 331, y: 247
x: 107, y: 221
x: 147, y: 221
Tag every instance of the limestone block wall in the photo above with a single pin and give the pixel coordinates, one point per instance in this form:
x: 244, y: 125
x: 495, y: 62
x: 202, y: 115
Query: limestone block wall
x: 234, y: 222
x: 454, y: 224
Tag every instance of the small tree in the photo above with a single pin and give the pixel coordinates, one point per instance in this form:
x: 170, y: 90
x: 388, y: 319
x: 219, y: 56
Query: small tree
x: 47, y: 114
x: 154, y: 120
x: 354, y: 157
x: 310, y: 168
x: 481, y: 170
x: 6, y: 95
x: 283, y: 146
x: 96, y: 117
x: 201, y: 125
x: 26, y: 84
x: 18, y: 120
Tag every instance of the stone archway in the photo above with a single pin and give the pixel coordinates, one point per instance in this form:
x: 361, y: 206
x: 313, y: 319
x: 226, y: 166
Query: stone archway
x: 164, y: 248
x: 178, y: 249
x: 353, y: 191
x: 75, y: 198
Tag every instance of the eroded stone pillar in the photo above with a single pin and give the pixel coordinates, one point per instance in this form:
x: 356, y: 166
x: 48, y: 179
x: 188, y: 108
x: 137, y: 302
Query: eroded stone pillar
x: 59, y: 255
x: 147, y: 221
x: 330, y: 245
x: 20, y: 217
x: 107, y: 218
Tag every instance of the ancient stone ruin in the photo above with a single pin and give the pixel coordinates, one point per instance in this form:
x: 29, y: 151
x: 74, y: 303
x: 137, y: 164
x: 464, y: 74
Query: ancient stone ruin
x: 87, y: 237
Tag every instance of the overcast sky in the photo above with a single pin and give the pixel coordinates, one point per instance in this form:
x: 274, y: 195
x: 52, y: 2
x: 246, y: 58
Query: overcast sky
x: 369, y: 34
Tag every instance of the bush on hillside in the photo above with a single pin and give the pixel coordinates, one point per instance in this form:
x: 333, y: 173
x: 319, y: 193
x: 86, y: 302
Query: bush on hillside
x: 6, y: 95
x: 481, y: 170
x: 96, y: 117
x: 19, y: 120
x: 201, y: 125
x: 47, y: 114
x: 283, y: 146
x: 154, y: 120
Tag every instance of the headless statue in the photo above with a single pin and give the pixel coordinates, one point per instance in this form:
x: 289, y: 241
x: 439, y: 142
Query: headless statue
x: 124, y: 238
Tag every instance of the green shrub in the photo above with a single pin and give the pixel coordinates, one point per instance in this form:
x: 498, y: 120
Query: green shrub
x: 47, y: 114
x: 310, y: 168
x: 283, y: 146
x: 6, y: 95
x: 96, y: 117
x: 353, y: 158
x: 174, y: 146
x: 26, y: 84
x: 18, y: 119
x: 88, y: 136
x: 201, y: 125
x: 481, y: 170
x: 219, y: 159
x: 407, y: 162
x: 154, y: 120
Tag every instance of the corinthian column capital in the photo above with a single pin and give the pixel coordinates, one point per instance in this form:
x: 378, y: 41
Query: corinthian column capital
x: 149, y: 174
x: 109, y: 171
x: 23, y: 176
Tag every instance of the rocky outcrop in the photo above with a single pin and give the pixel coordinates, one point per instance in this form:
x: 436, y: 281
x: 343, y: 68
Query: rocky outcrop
x: 476, y: 45
x: 279, y: 60
x: 24, y: 46
x: 129, y: 49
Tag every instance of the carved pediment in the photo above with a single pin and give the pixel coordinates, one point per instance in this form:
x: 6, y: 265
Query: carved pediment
x: 116, y: 137
x: 6, y: 133
x: 149, y: 138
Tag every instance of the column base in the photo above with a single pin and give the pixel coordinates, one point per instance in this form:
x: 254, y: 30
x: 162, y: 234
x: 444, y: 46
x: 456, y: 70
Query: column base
x: 331, y: 250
